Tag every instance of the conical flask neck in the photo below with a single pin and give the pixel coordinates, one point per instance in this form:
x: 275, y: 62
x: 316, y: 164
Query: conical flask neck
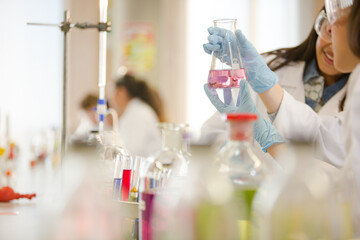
x: 229, y: 24
x: 172, y: 135
x: 241, y: 131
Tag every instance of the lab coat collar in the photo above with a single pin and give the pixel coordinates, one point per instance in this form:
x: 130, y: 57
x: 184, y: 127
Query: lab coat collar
x: 311, y: 71
x: 290, y: 78
x: 290, y: 75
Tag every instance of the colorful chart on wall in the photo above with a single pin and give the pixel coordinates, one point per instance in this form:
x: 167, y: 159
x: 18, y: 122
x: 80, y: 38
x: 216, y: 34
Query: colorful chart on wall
x: 139, y: 47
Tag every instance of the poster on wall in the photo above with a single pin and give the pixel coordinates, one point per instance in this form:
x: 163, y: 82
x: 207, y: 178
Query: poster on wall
x: 139, y: 47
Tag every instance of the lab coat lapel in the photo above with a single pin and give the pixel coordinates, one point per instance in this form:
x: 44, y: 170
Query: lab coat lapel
x: 331, y: 107
x: 291, y: 79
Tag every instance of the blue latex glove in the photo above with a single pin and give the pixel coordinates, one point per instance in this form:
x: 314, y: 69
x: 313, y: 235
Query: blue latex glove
x: 259, y: 75
x: 264, y: 132
x: 219, y: 44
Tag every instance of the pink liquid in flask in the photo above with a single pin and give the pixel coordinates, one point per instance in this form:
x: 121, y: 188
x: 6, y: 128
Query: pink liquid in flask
x: 125, y: 186
x: 229, y: 78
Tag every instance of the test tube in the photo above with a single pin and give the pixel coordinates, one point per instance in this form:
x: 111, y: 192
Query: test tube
x: 134, y: 189
x: 126, y: 177
x: 117, y: 177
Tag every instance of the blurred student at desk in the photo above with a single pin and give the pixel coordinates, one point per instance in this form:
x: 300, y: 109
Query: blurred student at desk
x: 140, y: 109
x: 88, y: 120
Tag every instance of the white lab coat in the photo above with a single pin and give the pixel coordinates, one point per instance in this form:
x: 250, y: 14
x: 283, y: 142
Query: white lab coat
x: 138, y: 129
x: 351, y: 117
x: 296, y: 121
x: 294, y: 116
x: 351, y: 131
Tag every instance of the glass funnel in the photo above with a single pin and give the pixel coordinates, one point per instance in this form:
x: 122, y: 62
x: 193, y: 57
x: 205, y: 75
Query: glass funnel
x: 245, y: 170
x: 168, y: 162
x: 227, y: 68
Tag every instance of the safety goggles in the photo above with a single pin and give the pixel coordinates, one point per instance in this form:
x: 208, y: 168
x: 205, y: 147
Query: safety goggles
x: 337, y: 8
x: 322, y: 26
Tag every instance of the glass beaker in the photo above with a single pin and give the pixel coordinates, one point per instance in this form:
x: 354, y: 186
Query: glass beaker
x: 227, y: 69
x: 245, y: 170
x: 168, y: 163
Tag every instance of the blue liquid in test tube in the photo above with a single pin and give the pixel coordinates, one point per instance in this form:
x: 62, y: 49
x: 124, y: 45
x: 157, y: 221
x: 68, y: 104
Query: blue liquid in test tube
x: 117, y: 188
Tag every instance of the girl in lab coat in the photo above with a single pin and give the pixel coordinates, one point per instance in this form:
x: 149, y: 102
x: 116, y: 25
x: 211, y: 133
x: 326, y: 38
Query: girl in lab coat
x: 298, y: 122
x: 338, y: 136
x: 307, y: 73
x: 139, y: 108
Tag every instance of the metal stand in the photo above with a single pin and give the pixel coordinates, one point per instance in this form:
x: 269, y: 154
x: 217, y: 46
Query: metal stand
x: 65, y: 27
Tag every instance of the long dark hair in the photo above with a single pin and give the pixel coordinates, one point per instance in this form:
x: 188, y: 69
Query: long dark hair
x: 140, y: 89
x: 306, y: 51
x: 353, y: 31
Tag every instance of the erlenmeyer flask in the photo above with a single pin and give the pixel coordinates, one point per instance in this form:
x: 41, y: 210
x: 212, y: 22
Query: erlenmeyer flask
x: 244, y: 169
x: 227, y: 68
x: 168, y: 163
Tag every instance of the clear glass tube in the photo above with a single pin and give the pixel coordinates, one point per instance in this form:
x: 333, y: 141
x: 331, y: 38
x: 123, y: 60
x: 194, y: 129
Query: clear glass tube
x: 126, y: 177
x: 134, y: 188
x: 227, y: 68
x: 117, y: 178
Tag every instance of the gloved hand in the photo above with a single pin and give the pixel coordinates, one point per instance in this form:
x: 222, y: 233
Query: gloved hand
x: 219, y: 44
x: 259, y: 75
x: 264, y: 132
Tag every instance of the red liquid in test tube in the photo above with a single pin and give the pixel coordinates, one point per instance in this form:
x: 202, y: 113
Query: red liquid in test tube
x: 125, y: 185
